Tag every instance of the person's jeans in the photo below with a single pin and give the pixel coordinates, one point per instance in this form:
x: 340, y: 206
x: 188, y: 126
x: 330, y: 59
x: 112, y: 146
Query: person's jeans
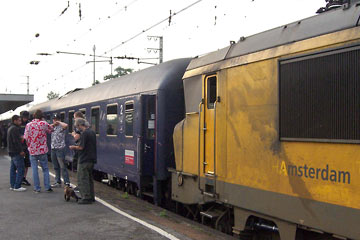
x: 17, y: 169
x: 43, y: 160
x: 58, y: 160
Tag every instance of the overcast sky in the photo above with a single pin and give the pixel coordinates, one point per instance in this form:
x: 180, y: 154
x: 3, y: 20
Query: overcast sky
x: 29, y: 27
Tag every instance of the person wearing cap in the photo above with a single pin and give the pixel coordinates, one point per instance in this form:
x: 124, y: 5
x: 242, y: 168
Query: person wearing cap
x: 36, y: 140
x: 58, y: 151
x: 25, y: 120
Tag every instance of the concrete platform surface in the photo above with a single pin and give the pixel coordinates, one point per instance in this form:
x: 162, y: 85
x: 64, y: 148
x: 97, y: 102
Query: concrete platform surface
x: 29, y: 215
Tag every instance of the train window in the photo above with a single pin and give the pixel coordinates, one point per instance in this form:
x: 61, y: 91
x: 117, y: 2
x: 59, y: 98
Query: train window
x: 48, y: 119
x: 211, y: 91
x: 95, y: 119
x: 319, y: 97
x: 111, y: 120
x: 150, y: 117
x: 129, y: 119
x: 62, y: 117
x: 83, y: 111
x: 71, y: 121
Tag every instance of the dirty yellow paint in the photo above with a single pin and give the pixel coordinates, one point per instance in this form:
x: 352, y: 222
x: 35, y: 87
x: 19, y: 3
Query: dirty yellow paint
x: 248, y: 150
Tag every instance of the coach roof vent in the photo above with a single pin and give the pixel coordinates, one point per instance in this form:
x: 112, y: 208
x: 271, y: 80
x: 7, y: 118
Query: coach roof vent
x: 334, y: 4
x: 70, y: 92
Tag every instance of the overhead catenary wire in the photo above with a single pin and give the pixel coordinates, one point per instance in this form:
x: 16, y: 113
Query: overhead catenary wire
x: 130, y: 39
x: 152, y: 26
x: 134, y: 58
x: 139, y: 60
x: 198, y: 27
x: 91, y: 29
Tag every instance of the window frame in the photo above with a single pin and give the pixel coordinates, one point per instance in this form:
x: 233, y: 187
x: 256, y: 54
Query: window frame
x: 71, y: 125
x: 61, y: 114
x: 91, y: 109
x: 127, y: 111
x: 117, y: 119
x: 211, y: 105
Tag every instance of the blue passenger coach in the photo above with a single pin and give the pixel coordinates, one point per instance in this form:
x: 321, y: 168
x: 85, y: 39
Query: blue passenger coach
x: 133, y: 117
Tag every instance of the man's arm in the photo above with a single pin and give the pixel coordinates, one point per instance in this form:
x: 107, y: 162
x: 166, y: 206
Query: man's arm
x: 78, y: 148
x: 63, y: 125
x: 82, y: 143
x: 50, y: 128
x: 26, y: 133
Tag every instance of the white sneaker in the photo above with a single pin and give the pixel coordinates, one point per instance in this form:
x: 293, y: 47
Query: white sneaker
x: 11, y: 189
x: 20, y: 189
x: 56, y: 185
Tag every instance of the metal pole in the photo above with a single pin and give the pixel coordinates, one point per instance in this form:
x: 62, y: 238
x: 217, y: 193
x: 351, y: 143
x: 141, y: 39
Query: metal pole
x: 111, y: 65
x: 94, y: 48
x: 161, y: 49
x: 28, y: 84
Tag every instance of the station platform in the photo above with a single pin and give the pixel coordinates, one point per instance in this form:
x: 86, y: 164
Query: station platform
x: 114, y: 215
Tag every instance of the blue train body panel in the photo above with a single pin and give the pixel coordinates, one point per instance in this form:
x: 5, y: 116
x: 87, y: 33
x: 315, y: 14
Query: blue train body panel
x: 134, y: 117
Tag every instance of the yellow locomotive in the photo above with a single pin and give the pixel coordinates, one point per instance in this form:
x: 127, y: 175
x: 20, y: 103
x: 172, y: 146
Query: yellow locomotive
x: 270, y: 142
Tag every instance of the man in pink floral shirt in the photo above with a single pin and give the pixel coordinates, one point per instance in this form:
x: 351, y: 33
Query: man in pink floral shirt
x: 36, y: 139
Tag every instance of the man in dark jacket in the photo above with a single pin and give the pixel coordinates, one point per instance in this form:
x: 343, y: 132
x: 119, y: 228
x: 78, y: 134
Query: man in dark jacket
x: 16, y: 153
x: 87, y: 160
x: 25, y: 120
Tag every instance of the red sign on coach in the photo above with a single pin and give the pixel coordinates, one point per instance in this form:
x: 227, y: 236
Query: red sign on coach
x: 129, y: 157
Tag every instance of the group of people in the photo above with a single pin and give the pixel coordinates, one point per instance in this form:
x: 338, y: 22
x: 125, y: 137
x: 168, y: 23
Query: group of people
x: 27, y: 146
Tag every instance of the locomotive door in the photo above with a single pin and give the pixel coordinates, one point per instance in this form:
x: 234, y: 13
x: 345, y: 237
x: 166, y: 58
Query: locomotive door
x: 210, y: 96
x: 148, y: 103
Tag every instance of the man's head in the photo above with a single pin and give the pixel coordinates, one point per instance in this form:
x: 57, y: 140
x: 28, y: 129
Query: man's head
x: 16, y: 120
x: 81, y: 123
x: 78, y: 114
x: 25, y: 115
x: 38, y: 114
x: 56, y: 118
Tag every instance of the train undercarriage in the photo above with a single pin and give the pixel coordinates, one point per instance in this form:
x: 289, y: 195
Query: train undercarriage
x: 221, y: 216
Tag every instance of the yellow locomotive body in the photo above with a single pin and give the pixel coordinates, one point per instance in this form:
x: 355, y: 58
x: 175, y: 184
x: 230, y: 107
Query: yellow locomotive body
x: 232, y: 149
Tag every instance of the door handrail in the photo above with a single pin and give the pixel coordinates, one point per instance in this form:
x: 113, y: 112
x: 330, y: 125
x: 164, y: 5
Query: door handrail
x: 138, y: 143
x: 199, y: 149
x: 215, y: 103
x: 182, y: 146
